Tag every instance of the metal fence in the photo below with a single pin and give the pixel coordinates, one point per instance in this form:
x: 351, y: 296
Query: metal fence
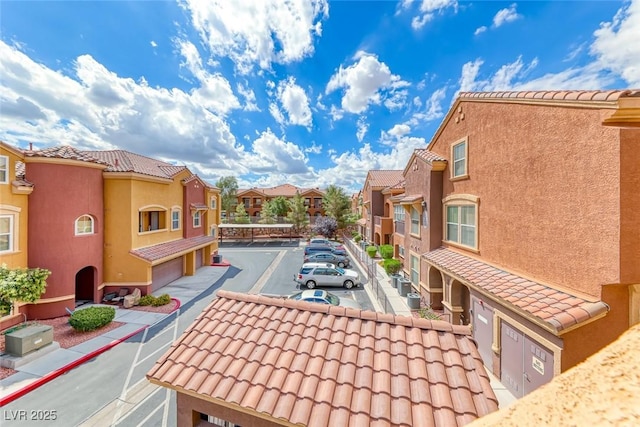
x: 368, y: 264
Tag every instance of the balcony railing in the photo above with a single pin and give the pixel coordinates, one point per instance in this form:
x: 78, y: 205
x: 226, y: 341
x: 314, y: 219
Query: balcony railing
x: 383, y: 225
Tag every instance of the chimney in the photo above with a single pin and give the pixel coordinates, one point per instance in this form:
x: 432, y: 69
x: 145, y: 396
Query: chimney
x: 31, y: 146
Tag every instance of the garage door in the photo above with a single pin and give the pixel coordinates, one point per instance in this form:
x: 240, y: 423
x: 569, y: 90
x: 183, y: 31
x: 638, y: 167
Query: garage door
x: 165, y: 273
x: 199, y: 254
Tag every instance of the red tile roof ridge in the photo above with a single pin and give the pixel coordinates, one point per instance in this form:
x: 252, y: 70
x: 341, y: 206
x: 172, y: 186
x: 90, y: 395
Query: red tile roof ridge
x: 415, y: 322
x: 555, y: 95
x: 65, y: 152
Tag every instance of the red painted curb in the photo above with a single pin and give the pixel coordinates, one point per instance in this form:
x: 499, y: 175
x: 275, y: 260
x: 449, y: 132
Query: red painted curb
x: 178, y: 303
x: 55, y: 374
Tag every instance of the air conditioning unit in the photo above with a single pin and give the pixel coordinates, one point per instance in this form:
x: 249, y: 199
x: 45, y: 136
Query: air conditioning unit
x: 26, y: 340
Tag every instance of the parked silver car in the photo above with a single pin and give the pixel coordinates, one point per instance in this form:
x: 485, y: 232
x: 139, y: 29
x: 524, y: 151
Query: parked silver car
x: 314, y: 274
x: 339, y: 260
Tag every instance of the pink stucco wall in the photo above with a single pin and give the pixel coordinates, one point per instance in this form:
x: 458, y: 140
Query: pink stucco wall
x: 549, y: 183
x: 62, y: 193
x: 194, y: 192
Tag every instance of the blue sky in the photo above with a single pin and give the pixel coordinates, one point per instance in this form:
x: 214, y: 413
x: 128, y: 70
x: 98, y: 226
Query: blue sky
x: 310, y: 93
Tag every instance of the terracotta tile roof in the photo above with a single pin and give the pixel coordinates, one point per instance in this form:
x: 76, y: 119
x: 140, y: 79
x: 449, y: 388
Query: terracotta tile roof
x: 384, y: 178
x: 411, y: 198
x: 125, y: 161
x: 317, y: 365
x: 199, y: 206
x: 557, y: 95
x: 557, y: 309
x: 175, y: 247
x: 65, y: 152
x: 284, y: 190
x: 428, y: 156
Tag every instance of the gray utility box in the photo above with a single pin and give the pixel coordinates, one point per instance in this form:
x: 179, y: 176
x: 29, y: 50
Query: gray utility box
x: 26, y: 340
x: 404, y: 286
x: 413, y: 301
x: 394, y: 280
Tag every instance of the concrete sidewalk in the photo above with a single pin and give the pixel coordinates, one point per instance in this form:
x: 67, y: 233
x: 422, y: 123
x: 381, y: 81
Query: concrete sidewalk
x: 49, y: 362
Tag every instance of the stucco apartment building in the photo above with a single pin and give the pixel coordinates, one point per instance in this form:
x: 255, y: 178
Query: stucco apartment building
x: 522, y: 218
x: 376, y: 224
x: 253, y: 198
x: 101, y: 221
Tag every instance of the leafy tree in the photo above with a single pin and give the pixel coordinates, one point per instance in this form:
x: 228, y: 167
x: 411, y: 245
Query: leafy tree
x: 268, y: 213
x: 297, y: 214
x: 20, y: 284
x: 228, y: 186
x: 281, y: 206
x: 336, y: 204
x: 242, y: 217
x: 326, y: 226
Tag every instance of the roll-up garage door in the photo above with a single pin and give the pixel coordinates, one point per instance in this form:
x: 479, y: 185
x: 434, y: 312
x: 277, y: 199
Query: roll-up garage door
x: 165, y: 273
x: 199, y: 258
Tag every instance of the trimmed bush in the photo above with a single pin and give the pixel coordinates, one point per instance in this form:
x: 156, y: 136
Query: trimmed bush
x: 386, y: 251
x: 155, y: 301
x: 392, y: 266
x: 163, y: 299
x: 357, y: 237
x: 92, y: 318
x: 371, y: 251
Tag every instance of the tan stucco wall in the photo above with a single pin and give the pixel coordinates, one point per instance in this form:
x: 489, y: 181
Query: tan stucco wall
x: 188, y: 407
x: 16, y: 205
x: 630, y: 206
x: 548, y: 181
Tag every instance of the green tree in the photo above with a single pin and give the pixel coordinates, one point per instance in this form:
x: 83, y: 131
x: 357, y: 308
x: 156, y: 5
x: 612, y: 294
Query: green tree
x: 268, y: 213
x: 336, y: 204
x: 20, y: 284
x: 228, y: 186
x: 297, y: 212
x: 281, y: 206
x: 242, y: 217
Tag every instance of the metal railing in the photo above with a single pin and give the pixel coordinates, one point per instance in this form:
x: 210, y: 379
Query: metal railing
x: 368, y: 264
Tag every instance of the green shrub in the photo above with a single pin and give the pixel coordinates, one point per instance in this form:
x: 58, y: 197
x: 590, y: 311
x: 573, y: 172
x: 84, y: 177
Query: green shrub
x: 357, y: 237
x: 371, y: 251
x: 147, y: 300
x: 155, y: 301
x: 92, y: 318
x: 392, y: 266
x: 161, y: 300
x: 386, y: 251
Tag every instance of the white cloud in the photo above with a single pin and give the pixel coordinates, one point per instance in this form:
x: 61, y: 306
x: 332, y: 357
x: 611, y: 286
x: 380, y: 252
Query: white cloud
x: 277, y: 114
x: 336, y: 113
x: 253, y: 32
x: 295, y: 102
x: 271, y: 154
x: 362, y: 127
x: 469, y: 74
x: 313, y: 148
x: 617, y: 44
x: 505, y: 16
x: 249, y: 97
x: 96, y: 109
x: 366, y: 82
x: 480, y: 30
x: 214, y: 92
x: 428, y: 10
x: 432, y: 108
x: 399, y: 130
x: 154, y: 44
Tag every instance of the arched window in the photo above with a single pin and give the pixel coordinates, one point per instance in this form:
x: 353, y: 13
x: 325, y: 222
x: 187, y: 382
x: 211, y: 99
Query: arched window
x: 84, y: 225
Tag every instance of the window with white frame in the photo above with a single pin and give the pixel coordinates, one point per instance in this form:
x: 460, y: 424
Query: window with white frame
x: 175, y: 219
x: 6, y: 233
x: 401, y: 250
x: 459, y: 155
x: 152, y: 219
x: 415, y: 221
x: 212, y: 232
x: 415, y: 271
x: 213, y: 202
x: 398, y: 213
x: 84, y: 225
x: 461, y: 219
x: 4, y: 170
x: 197, y: 219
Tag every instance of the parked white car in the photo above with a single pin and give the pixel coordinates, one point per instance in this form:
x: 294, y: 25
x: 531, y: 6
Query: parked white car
x: 323, y: 297
x: 313, y: 274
